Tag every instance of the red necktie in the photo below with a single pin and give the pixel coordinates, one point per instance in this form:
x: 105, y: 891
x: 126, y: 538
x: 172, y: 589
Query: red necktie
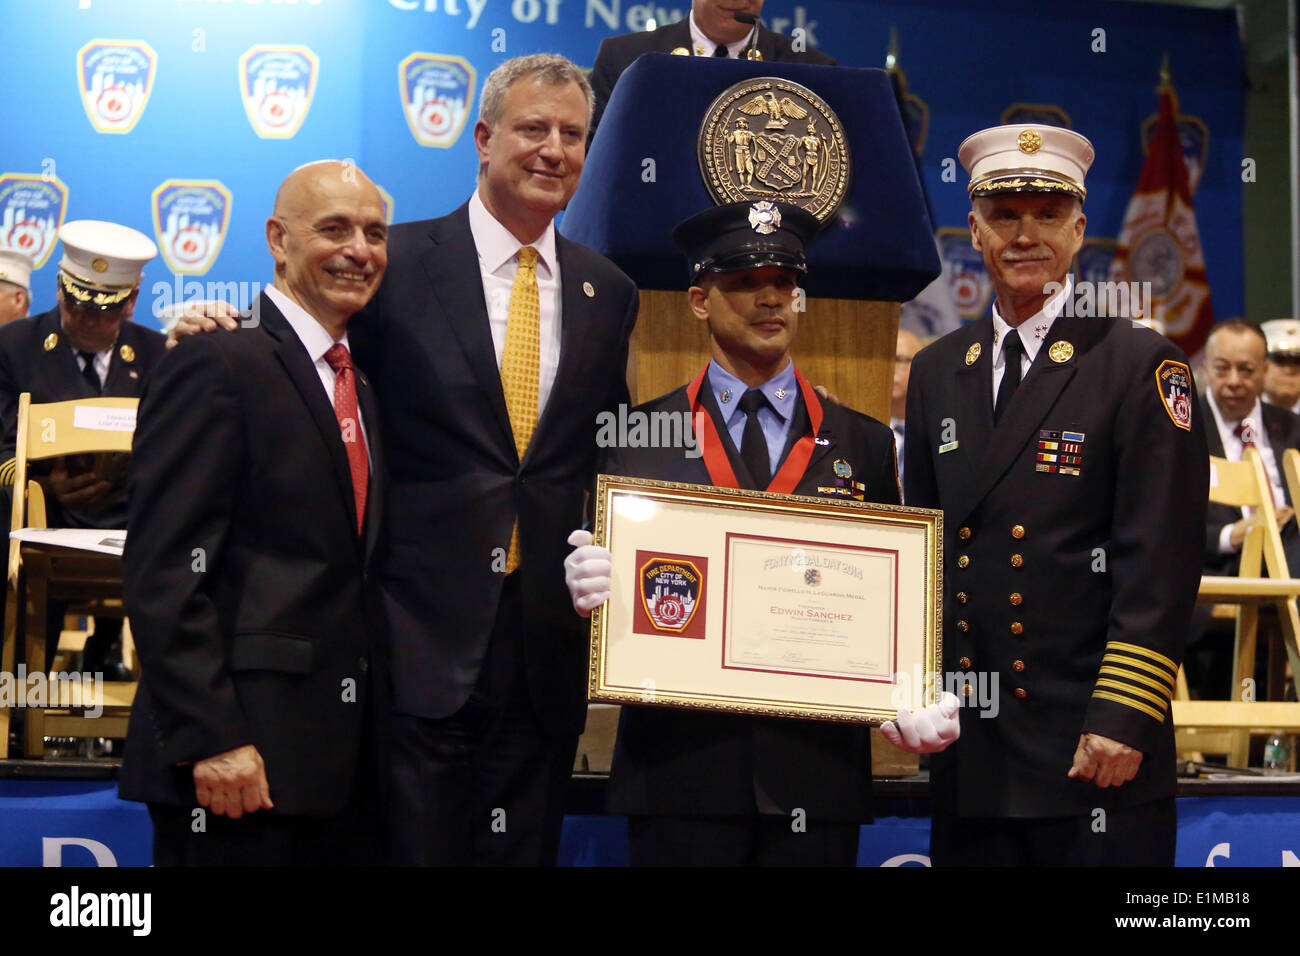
x: 1245, y: 432
x: 345, y: 410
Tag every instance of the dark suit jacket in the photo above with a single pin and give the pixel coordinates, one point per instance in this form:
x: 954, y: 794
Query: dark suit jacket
x: 1283, y: 432
x: 254, y: 638
x: 457, y: 482
x: 1109, y: 559
x: 692, y: 763
x: 51, y: 375
x: 616, y: 54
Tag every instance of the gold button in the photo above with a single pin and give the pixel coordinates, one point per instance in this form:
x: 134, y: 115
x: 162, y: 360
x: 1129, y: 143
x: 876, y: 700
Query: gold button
x: 1016, y: 599
x: 963, y: 533
x: 1018, y: 531
x: 961, y: 597
x: 1017, y: 628
x: 964, y: 663
x: 1016, y: 561
x: 963, y: 626
x: 1021, y: 693
x: 1018, y: 666
x: 968, y: 690
x: 963, y: 561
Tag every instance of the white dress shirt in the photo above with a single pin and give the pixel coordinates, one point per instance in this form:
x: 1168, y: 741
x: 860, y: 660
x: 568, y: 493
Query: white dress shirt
x: 706, y: 47
x: 317, y: 342
x: 498, y: 261
x: 1033, y: 332
x: 899, y: 428
x: 1233, y: 450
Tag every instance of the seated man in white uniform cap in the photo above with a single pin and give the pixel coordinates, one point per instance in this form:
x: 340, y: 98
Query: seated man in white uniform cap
x: 15, y: 284
x: 87, y: 346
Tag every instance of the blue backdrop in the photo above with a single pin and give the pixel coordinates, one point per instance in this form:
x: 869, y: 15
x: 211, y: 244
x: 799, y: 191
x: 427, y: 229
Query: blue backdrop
x: 180, y: 117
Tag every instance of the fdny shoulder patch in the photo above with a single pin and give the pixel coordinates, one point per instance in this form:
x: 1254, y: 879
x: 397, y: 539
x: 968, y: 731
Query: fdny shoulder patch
x: 1174, y: 383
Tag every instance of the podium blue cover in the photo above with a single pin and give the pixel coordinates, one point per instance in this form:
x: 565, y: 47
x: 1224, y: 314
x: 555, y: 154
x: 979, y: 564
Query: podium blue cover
x: 880, y: 245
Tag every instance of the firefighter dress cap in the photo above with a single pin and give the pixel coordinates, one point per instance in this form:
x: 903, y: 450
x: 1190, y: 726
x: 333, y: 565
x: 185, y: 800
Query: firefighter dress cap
x: 1026, y: 158
x: 1283, y: 337
x: 102, y: 262
x: 16, y: 268
x: 746, y: 235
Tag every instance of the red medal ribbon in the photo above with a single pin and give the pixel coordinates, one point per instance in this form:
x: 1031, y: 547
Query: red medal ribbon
x: 715, y: 455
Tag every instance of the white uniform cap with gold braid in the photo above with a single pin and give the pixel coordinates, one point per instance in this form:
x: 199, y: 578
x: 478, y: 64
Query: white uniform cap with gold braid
x: 102, y: 262
x: 16, y: 267
x: 1283, y: 337
x: 1026, y: 158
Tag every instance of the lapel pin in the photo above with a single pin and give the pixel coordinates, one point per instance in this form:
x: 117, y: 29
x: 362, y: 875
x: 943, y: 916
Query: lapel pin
x: 127, y: 353
x: 779, y: 393
x: 822, y: 441
x: 133, y: 373
x: 725, y: 396
x: 51, y: 342
x: 1061, y: 351
x: 681, y: 51
x: 973, y: 354
x: 588, y: 288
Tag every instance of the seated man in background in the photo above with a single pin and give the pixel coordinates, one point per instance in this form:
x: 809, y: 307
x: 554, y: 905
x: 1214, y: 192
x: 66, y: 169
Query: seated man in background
x: 1236, y: 418
x: 254, y: 514
x: 1282, y: 378
x: 708, y: 789
x: 85, y: 347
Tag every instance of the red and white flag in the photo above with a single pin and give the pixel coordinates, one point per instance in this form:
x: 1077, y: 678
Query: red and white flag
x: 1159, y: 242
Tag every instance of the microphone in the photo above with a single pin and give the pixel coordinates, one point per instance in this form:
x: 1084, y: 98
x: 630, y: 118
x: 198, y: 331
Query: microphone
x: 751, y: 51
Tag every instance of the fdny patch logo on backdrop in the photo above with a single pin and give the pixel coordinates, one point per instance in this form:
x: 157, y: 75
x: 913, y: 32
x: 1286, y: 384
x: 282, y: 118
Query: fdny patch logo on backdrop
x: 116, y: 78
x: 972, y: 289
x: 670, y: 595
x: 31, y: 212
x: 190, y: 217
x: 437, y: 92
x: 1174, y: 381
x: 277, y: 84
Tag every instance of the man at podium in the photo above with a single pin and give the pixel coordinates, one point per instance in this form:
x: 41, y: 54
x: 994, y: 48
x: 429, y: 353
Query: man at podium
x: 712, y: 28
x: 707, y: 789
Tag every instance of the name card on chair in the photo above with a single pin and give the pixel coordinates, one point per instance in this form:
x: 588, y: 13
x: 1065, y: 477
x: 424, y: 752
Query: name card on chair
x: 103, y: 419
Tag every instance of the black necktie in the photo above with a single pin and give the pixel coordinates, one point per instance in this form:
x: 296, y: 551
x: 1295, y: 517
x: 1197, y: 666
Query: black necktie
x: 88, y: 371
x: 721, y: 50
x: 753, y: 446
x: 1011, y: 352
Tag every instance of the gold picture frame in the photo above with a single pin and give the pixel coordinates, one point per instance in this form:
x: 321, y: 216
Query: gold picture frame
x: 767, y: 604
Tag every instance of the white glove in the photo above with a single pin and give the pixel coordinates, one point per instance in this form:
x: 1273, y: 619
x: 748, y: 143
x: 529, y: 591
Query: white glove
x: 927, y: 731
x: 586, y: 572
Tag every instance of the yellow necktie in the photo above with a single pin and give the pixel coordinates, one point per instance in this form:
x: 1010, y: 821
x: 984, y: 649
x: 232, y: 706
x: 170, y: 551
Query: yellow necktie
x: 519, y: 365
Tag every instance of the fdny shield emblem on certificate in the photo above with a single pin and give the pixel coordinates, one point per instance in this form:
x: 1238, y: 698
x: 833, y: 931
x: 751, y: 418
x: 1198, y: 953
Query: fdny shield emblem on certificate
x: 670, y: 594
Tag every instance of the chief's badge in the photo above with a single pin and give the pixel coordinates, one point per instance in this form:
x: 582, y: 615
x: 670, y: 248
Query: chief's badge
x: 127, y: 353
x: 973, y: 354
x: 437, y: 93
x: 190, y: 218
x: 1061, y: 351
x: 31, y: 212
x: 671, y: 591
x: 767, y: 138
x: 1174, y: 382
x: 277, y: 84
x: 116, y: 78
x: 51, y: 342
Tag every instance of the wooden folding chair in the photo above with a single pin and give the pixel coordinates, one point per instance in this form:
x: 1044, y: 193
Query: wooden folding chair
x: 1225, y: 726
x: 38, y: 573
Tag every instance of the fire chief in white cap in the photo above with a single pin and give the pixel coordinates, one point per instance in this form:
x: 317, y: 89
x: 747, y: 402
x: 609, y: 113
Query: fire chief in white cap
x: 86, y: 346
x: 15, y: 284
x: 1068, y: 456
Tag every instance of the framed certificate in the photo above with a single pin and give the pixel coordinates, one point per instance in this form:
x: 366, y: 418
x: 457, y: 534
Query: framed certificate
x: 758, y: 603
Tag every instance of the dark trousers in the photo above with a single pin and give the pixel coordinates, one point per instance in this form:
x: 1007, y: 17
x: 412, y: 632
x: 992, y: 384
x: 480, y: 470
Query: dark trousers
x: 1144, y: 835
x: 757, y: 840
x: 485, y: 786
